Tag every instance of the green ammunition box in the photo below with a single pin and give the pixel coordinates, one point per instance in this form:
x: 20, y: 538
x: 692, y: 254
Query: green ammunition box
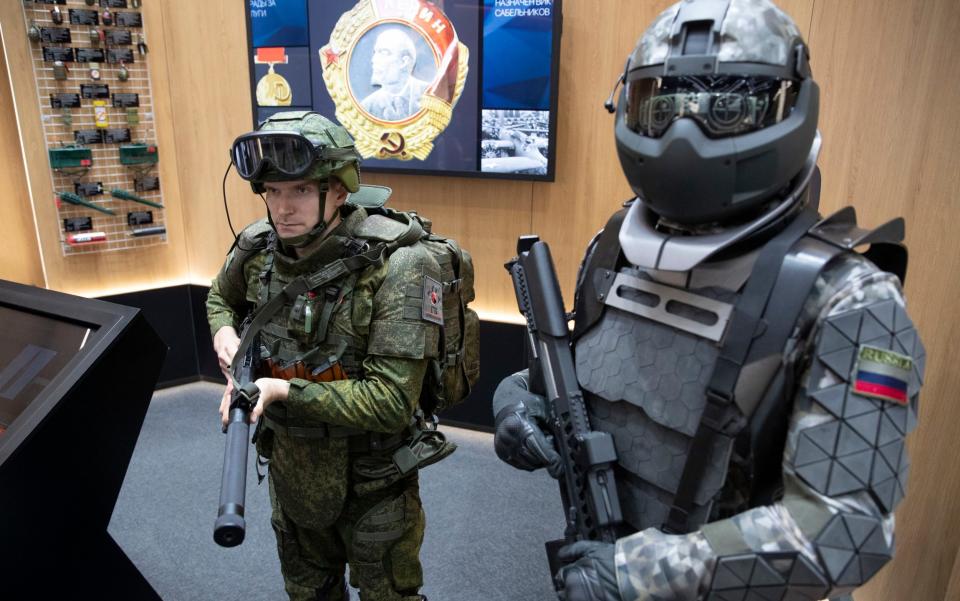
x: 70, y: 157
x: 138, y: 154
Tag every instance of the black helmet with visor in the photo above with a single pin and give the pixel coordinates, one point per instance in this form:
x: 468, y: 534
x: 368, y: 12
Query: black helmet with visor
x: 719, y: 111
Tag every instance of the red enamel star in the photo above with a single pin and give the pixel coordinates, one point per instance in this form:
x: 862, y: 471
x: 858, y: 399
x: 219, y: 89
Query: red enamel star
x: 331, y: 56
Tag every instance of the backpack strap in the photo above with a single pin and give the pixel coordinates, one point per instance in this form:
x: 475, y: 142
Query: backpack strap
x: 267, y: 271
x: 254, y: 239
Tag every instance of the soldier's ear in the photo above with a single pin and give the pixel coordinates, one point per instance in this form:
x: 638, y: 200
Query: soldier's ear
x: 338, y: 190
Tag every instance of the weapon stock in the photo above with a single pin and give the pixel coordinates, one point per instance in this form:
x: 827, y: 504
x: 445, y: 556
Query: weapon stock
x: 587, y: 485
x: 230, y: 527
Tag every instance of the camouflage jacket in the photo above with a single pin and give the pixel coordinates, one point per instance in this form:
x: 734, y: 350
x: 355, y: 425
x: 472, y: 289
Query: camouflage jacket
x: 844, y: 469
x: 373, y: 322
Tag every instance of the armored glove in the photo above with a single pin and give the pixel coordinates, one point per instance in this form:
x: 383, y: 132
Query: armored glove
x: 593, y: 574
x: 519, y: 439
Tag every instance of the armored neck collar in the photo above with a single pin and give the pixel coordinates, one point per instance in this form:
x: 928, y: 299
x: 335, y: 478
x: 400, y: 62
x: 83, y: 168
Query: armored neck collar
x: 649, y: 248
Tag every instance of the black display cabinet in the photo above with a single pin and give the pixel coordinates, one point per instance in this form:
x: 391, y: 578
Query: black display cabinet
x: 76, y: 377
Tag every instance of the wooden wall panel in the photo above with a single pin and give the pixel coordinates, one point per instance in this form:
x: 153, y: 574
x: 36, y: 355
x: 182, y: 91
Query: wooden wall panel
x: 953, y: 589
x: 209, y: 89
x: 21, y: 262
x: 95, y: 273
x: 890, y: 119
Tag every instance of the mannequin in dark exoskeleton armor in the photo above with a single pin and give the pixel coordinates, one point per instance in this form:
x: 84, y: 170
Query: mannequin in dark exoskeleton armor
x: 752, y: 360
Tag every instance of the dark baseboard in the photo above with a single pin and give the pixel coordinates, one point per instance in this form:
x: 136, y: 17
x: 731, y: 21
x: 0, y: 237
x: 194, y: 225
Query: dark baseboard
x: 178, y: 314
x: 177, y: 382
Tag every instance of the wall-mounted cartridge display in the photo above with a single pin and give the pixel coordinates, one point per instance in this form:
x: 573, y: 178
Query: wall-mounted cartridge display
x: 90, y: 67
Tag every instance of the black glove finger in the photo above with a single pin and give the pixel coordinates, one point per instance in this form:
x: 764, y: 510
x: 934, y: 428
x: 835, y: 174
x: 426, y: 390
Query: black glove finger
x: 554, y: 465
x: 539, y: 447
x: 576, y: 583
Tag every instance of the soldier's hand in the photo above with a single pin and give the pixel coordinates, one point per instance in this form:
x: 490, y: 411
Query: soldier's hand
x: 225, y: 403
x: 519, y: 439
x: 271, y: 391
x: 225, y: 344
x: 592, y: 575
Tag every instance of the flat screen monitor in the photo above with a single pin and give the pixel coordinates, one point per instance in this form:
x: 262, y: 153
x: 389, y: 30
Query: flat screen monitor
x: 454, y: 87
x: 34, y: 349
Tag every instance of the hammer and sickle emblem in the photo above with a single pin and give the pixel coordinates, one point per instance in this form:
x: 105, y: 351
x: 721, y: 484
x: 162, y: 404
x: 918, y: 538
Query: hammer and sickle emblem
x: 393, y: 143
x: 282, y: 92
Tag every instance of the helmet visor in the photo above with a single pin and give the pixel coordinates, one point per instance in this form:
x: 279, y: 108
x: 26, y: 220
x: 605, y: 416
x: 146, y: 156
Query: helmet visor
x: 722, y: 105
x: 288, y: 153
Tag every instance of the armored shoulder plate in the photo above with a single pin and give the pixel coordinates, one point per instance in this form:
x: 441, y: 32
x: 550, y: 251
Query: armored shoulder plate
x: 380, y: 227
x: 255, y: 233
x: 252, y: 239
x: 866, y: 373
x: 886, y: 249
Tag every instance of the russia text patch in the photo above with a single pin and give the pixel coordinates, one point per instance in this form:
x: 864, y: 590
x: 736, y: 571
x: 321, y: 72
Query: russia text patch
x: 882, y: 374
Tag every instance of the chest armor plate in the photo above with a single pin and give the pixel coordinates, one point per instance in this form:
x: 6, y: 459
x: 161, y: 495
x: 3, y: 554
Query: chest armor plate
x: 314, y: 327
x: 645, y: 383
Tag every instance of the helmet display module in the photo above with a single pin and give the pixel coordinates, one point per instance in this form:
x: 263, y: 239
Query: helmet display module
x: 294, y: 145
x: 718, y: 112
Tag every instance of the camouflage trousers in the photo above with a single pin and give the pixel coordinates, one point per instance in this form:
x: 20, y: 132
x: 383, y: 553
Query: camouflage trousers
x: 378, y: 535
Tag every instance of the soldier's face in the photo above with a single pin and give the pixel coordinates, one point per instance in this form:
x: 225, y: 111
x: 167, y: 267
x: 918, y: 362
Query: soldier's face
x: 294, y: 206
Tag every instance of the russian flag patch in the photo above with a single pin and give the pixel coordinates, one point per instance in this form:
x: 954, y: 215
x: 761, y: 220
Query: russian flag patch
x: 882, y: 374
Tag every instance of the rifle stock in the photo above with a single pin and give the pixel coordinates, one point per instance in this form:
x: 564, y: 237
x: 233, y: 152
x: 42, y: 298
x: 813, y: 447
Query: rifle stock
x: 587, y: 484
x: 230, y: 527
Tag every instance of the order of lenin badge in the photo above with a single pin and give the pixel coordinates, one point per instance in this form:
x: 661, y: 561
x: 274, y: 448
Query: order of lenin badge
x: 395, y: 69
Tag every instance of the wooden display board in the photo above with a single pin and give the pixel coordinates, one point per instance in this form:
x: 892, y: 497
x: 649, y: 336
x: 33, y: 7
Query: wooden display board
x: 101, y: 114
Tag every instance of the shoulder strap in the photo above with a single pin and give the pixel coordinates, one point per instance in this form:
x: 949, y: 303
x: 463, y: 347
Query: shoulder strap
x: 720, y: 416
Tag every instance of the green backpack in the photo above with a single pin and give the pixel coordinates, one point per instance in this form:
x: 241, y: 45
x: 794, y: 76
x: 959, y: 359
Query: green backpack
x: 450, y: 377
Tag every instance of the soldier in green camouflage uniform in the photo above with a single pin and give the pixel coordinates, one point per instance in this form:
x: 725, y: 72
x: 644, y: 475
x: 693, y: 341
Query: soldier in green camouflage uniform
x: 338, y: 494
x: 757, y: 375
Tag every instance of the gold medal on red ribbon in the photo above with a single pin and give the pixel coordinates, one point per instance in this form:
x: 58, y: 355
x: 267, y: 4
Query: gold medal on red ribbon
x: 272, y: 89
x: 395, y: 69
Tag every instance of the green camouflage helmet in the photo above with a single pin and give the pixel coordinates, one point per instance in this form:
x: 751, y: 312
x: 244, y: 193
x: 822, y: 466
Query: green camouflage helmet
x: 321, y: 131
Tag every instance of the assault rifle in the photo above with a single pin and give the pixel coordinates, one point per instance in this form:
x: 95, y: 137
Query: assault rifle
x: 587, y: 485
x: 230, y: 527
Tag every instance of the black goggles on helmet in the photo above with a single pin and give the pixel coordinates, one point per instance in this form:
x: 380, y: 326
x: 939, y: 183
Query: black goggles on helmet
x: 287, y: 153
x: 722, y: 105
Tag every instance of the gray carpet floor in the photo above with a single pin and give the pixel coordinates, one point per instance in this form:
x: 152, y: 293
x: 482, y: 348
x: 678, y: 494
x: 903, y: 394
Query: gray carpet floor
x: 486, y: 522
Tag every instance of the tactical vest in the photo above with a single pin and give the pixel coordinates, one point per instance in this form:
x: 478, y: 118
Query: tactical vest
x: 300, y: 331
x: 645, y: 356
